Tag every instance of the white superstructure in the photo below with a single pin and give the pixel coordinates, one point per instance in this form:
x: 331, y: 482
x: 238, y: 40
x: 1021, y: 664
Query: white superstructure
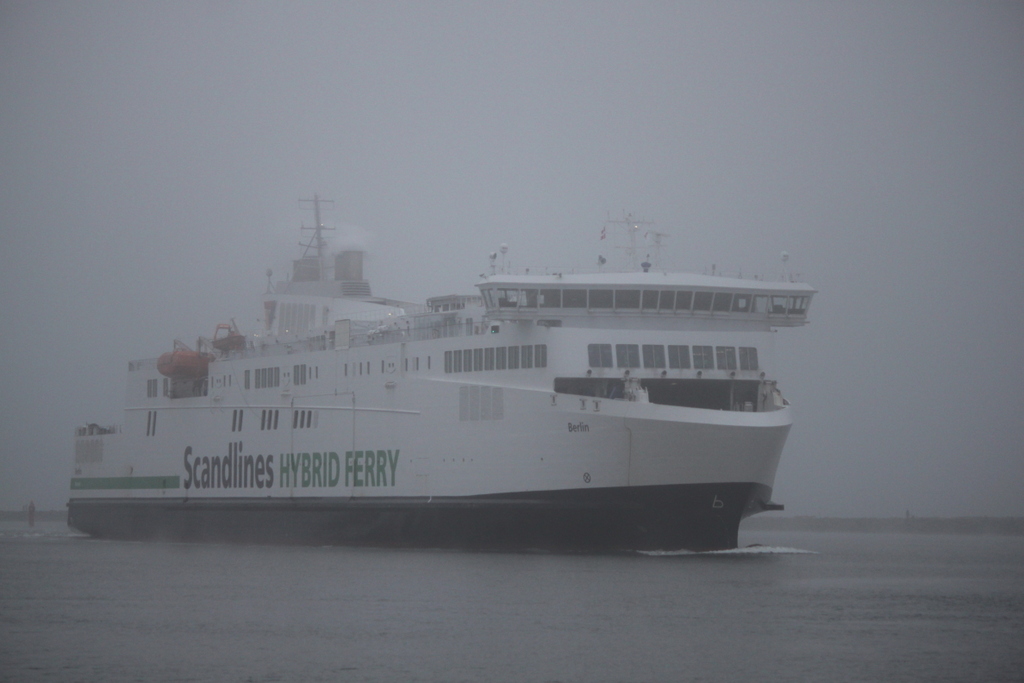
x: 604, y: 410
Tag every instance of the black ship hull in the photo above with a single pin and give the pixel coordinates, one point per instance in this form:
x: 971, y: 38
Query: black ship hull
x: 692, y: 517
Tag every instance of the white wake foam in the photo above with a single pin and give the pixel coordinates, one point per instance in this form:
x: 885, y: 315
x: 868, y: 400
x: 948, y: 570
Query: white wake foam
x: 749, y: 550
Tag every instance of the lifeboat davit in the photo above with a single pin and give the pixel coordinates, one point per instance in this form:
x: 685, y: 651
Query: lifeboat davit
x: 184, y: 363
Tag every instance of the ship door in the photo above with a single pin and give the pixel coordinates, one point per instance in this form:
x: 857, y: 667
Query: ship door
x: 421, y: 469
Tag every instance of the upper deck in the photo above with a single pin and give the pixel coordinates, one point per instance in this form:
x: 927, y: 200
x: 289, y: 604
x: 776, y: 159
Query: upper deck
x: 558, y: 296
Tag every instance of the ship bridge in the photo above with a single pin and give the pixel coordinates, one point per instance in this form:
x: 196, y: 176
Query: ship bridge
x: 644, y: 298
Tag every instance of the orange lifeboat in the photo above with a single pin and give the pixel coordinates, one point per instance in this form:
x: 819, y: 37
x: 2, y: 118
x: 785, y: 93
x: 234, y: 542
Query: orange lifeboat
x: 233, y: 340
x: 184, y: 363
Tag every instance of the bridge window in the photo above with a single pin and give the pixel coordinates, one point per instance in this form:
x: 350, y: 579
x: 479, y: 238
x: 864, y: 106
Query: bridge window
x: 778, y: 305
x: 600, y: 355
x: 726, y: 357
x: 550, y: 298
x: 741, y: 303
x: 748, y: 358
x: 600, y: 298
x: 667, y: 300
x: 650, y: 299
x: 528, y: 298
x: 508, y: 298
x: 703, y: 358
x: 627, y: 355
x: 760, y: 304
x: 654, y: 355
x: 723, y: 300
x: 797, y: 305
x: 702, y: 301
x: 683, y: 300
x: 678, y: 357
x: 627, y: 298
x: 574, y: 298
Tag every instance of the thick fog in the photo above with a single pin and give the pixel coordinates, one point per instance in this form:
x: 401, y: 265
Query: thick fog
x: 152, y: 156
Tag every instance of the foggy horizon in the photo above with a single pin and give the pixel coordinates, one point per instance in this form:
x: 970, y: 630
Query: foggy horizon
x: 153, y: 157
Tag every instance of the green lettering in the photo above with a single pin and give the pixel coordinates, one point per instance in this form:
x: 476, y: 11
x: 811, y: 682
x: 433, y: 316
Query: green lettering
x: 382, y: 461
x: 216, y: 481
x: 229, y: 471
x: 260, y: 471
x: 348, y: 468
x: 317, y: 461
x: 371, y: 462
x: 393, y: 461
x: 188, y: 468
x: 305, y: 469
x: 356, y: 479
x: 249, y: 472
x: 289, y: 470
x: 333, y: 468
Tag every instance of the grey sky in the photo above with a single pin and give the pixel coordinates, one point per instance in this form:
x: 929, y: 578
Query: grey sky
x: 151, y: 156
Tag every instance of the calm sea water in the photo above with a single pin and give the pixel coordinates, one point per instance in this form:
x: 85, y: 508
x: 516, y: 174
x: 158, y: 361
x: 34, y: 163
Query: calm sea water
x: 803, y: 607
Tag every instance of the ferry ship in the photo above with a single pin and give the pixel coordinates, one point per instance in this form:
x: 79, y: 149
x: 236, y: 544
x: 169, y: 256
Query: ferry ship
x: 604, y: 411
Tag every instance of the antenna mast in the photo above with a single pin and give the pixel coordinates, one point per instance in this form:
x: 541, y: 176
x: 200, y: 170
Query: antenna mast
x: 632, y: 226
x: 317, y: 239
x: 655, y: 237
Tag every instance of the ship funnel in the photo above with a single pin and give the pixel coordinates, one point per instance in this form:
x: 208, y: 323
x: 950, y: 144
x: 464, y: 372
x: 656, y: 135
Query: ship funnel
x: 348, y: 270
x: 348, y: 265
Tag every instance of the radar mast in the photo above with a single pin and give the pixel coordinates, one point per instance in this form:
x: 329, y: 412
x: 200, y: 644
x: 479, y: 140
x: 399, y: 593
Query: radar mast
x: 316, y: 240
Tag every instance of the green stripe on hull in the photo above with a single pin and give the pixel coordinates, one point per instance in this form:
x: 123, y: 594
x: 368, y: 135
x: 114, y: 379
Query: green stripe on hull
x: 82, y: 483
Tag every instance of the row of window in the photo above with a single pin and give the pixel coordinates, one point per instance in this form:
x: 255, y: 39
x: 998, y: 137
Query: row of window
x: 678, y: 357
x: 496, y: 358
x: 299, y: 373
x: 151, y: 423
x: 268, y: 419
x: 265, y: 378
x: 647, y: 300
x: 386, y: 366
x: 305, y: 419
